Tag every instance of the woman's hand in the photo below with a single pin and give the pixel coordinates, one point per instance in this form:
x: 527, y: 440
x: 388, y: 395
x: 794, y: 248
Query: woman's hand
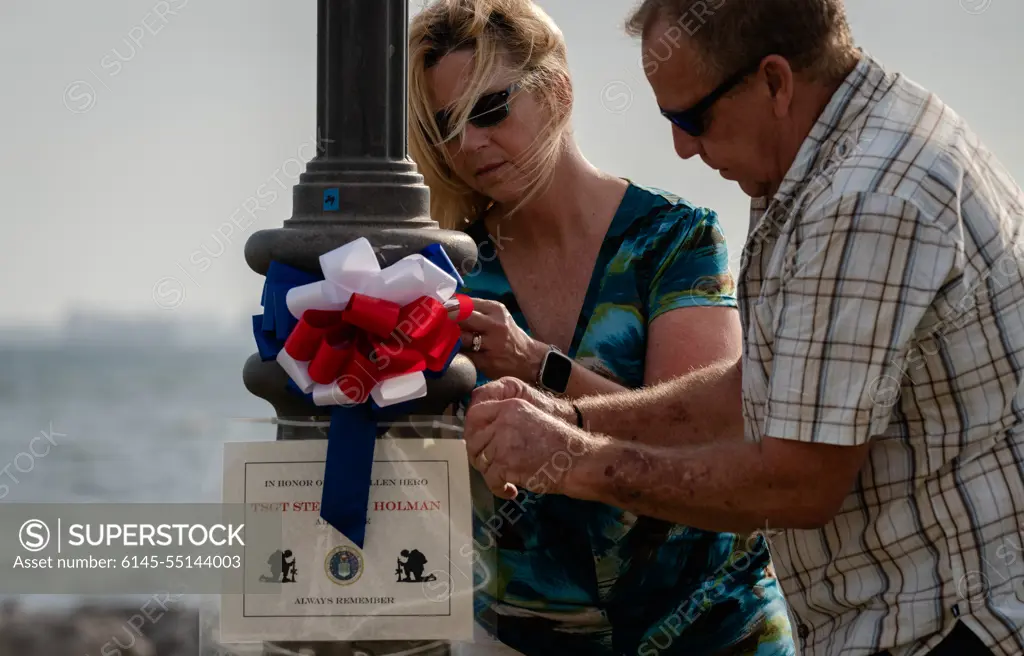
x: 505, y: 348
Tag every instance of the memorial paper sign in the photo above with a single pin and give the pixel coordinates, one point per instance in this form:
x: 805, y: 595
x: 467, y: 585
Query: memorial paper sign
x: 411, y: 581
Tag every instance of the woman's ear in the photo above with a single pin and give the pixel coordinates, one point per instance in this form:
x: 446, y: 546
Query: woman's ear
x: 561, y: 87
x: 569, y: 95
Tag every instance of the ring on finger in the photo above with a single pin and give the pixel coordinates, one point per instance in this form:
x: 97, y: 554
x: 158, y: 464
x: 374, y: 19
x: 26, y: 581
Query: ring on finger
x: 478, y: 340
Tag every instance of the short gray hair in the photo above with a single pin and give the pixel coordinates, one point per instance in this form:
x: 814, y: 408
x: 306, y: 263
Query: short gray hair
x: 813, y: 35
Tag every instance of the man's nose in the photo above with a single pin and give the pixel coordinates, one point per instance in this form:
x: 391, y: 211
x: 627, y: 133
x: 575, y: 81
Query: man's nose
x: 686, y: 145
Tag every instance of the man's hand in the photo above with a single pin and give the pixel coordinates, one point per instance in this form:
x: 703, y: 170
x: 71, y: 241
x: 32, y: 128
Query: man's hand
x: 515, y: 444
x: 514, y: 388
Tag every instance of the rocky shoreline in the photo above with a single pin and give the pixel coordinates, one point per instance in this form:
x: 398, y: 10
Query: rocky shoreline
x: 155, y: 629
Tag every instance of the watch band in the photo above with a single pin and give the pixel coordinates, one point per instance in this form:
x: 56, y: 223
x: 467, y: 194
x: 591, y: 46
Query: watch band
x: 579, y: 415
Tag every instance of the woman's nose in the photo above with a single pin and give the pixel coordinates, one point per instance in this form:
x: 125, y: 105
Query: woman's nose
x: 474, y: 138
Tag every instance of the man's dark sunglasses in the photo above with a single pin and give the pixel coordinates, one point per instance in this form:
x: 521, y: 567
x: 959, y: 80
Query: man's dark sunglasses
x: 692, y: 120
x: 488, y: 111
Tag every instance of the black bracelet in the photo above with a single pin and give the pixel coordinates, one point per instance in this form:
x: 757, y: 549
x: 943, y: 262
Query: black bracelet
x: 579, y: 415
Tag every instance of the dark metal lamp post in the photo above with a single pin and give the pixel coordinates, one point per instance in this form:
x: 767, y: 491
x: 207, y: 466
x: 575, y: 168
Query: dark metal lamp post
x: 361, y: 183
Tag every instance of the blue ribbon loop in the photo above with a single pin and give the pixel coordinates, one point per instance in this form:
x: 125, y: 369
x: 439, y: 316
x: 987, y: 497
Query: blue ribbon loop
x: 437, y: 256
x: 354, y: 428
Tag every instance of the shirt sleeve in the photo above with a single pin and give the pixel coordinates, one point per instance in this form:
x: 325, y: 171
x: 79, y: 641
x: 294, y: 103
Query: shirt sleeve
x: 693, y: 266
x: 860, y: 275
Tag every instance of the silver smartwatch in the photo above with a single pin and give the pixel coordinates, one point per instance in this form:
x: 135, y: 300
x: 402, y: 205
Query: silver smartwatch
x: 555, y: 369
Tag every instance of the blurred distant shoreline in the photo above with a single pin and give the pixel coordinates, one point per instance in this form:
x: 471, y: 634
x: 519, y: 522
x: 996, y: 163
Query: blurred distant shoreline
x: 88, y: 328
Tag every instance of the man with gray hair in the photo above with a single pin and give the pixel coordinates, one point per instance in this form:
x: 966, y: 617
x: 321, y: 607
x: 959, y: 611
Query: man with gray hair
x: 877, y: 413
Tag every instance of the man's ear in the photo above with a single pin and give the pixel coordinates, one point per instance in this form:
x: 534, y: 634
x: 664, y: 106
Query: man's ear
x: 779, y: 79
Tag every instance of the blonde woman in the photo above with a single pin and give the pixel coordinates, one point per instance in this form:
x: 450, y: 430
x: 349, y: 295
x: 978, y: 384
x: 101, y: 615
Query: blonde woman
x: 587, y: 284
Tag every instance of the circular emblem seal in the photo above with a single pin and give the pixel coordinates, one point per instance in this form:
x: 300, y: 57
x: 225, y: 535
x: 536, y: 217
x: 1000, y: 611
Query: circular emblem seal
x: 343, y: 565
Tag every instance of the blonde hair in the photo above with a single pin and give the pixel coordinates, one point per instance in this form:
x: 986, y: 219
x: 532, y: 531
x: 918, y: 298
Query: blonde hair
x: 506, y: 36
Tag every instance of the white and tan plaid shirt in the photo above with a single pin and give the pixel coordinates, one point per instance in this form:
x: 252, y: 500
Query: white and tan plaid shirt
x: 882, y: 299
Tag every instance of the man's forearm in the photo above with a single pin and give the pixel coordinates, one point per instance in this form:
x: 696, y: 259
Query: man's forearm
x: 722, y: 486
x: 702, y: 406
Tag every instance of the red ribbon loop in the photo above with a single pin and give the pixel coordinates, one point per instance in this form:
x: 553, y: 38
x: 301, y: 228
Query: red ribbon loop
x: 440, y: 345
x: 420, y: 318
x: 374, y: 315
x: 465, y: 307
x: 373, y: 340
x: 333, y: 355
x: 358, y: 379
x: 395, y: 356
x: 304, y: 341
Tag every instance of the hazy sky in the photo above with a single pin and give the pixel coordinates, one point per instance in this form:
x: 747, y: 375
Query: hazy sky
x: 129, y: 135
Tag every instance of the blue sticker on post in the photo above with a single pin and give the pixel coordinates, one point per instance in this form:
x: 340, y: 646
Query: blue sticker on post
x: 331, y: 199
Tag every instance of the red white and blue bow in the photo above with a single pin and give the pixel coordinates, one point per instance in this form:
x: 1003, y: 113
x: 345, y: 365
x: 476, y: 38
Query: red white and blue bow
x: 362, y: 340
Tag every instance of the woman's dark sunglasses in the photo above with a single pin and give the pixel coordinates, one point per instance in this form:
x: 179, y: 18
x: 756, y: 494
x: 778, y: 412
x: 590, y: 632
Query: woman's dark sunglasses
x: 692, y: 121
x: 488, y: 111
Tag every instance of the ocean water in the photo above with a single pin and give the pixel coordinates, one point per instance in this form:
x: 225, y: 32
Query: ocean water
x: 139, y: 424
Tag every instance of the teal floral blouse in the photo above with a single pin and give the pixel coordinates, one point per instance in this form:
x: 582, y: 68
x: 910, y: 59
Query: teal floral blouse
x: 556, y: 575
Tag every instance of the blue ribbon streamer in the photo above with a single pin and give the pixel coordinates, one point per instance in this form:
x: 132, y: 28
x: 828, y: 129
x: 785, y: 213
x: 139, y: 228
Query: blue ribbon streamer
x: 354, y: 428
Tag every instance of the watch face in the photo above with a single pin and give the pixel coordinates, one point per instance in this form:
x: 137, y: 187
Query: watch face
x: 557, y: 368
